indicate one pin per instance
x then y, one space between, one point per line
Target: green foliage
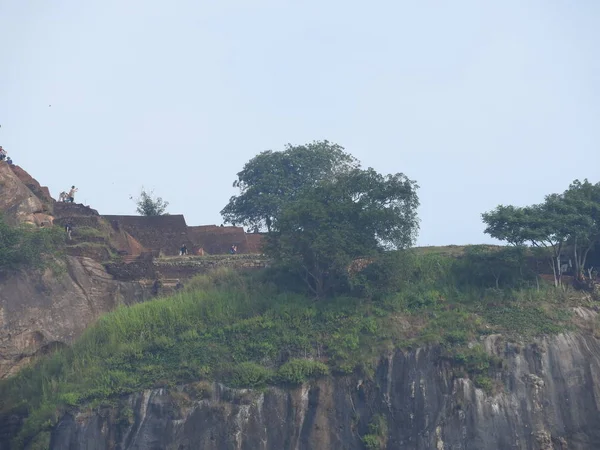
322 211
271 179
356 215
496 267
384 274
238 328
568 219
297 371
378 430
28 246
485 383
249 375
89 232
148 205
371 442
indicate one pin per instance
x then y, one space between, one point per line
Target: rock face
550 400
17 202
39 311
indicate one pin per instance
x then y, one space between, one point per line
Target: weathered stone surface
18 203
39 191
186 267
40 311
550 400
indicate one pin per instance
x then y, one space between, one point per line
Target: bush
249 375
485 383
371 442
386 274
297 371
377 437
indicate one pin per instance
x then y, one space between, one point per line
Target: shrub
371 442
388 273
485 383
376 439
250 375
297 371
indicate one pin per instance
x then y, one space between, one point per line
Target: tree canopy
322 211
272 179
148 205
570 219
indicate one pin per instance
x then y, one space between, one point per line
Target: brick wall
163 234
218 240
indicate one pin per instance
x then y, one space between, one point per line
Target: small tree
147 205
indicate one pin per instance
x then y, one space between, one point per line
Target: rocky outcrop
43 310
41 192
548 398
18 203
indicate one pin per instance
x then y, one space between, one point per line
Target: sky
481 102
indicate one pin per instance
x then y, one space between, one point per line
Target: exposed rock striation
550 400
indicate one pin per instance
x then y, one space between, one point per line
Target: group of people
4 156
68 197
184 251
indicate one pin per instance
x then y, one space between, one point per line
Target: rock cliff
548 398
42 310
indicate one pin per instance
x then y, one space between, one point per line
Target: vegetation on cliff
568 221
27 245
261 329
344 289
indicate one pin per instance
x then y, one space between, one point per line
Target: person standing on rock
72 194
183 250
69 229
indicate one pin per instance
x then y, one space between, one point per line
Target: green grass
246 332
89 232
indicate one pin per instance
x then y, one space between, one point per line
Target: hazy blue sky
482 102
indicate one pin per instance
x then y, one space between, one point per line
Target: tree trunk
554 271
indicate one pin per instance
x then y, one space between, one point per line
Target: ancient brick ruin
130 236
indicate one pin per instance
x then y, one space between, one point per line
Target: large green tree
358 213
272 179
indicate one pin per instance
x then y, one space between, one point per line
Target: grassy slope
242 330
